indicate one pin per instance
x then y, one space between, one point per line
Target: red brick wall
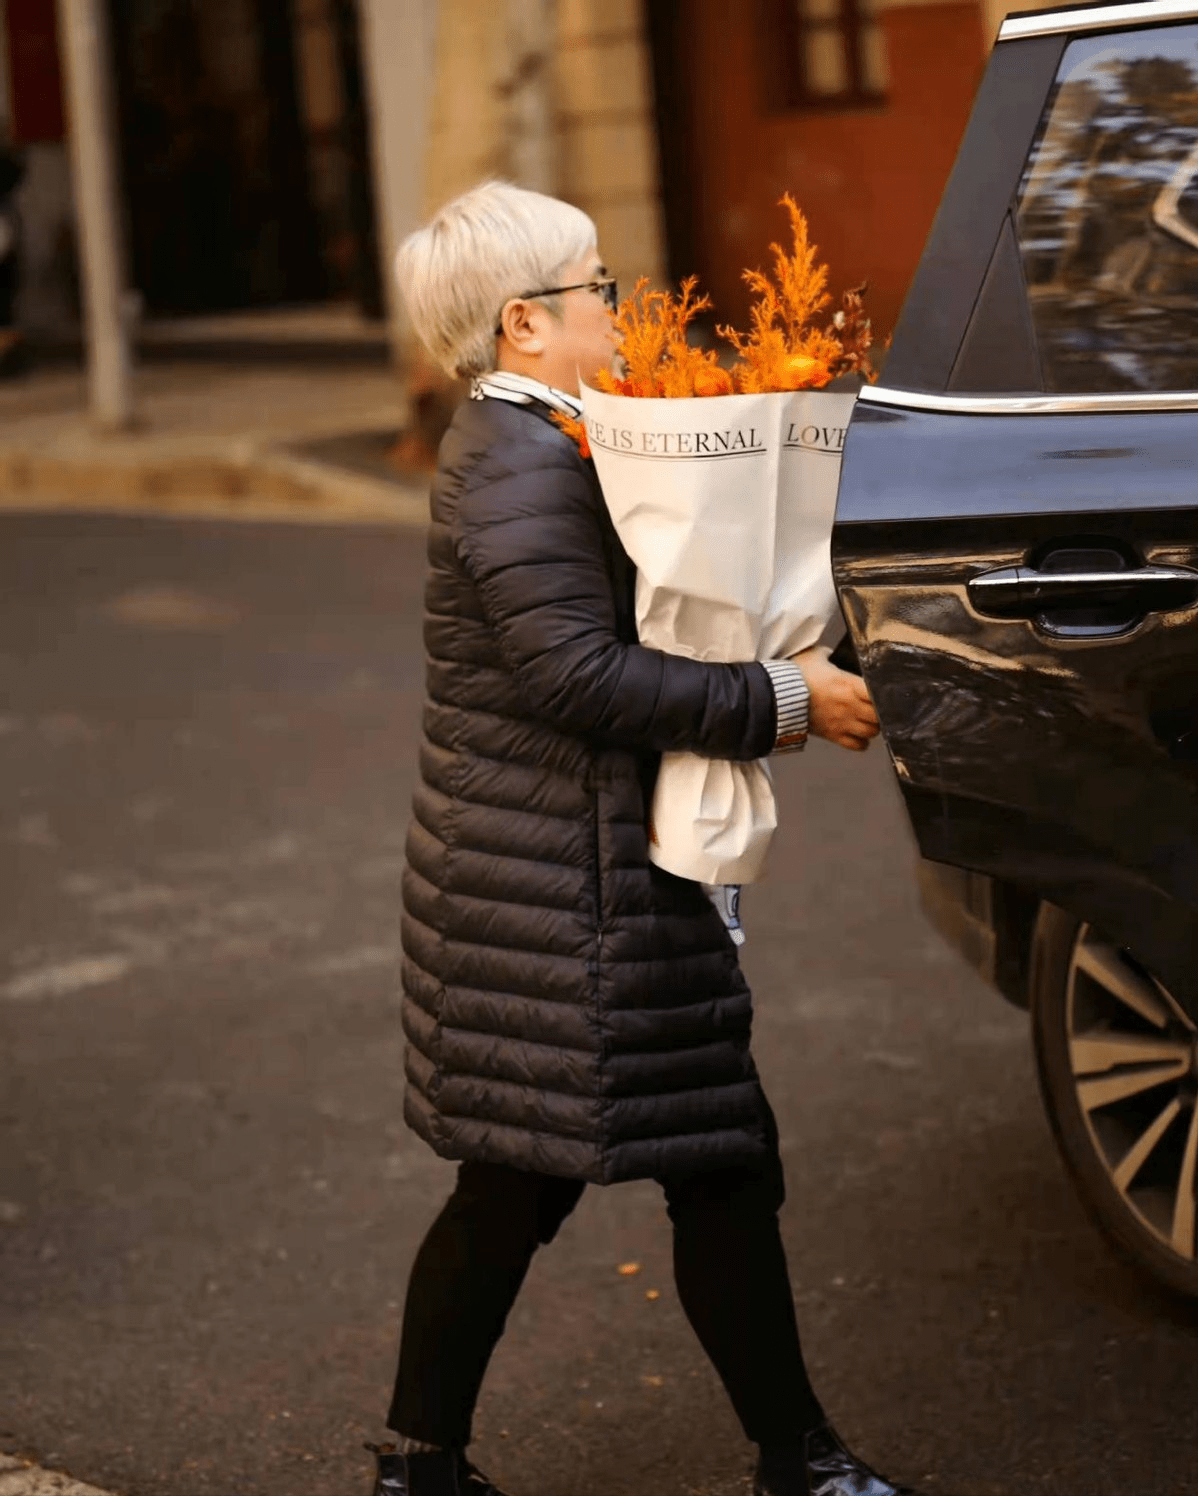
869 180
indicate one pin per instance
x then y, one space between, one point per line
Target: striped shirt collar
521 389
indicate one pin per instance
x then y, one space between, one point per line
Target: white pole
88 65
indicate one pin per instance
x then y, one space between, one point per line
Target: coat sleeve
532 544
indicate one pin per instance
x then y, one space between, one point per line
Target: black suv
1016 551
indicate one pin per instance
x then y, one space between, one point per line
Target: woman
573 1013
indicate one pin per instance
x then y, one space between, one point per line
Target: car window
1107 216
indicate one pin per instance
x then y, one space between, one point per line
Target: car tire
1116 1061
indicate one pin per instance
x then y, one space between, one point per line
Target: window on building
833 53
1108 216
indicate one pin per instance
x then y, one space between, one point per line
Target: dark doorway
216 179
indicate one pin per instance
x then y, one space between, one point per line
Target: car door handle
1023 592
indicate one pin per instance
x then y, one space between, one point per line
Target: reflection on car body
1166 212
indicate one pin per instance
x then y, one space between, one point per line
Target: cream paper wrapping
725 505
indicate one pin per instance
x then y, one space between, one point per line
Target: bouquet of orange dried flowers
784 349
725 505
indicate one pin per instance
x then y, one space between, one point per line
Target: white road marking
164 606
63 978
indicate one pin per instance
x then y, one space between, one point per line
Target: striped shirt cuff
791 698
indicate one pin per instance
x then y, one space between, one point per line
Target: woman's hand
840 709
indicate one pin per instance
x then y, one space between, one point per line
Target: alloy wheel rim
1133 1054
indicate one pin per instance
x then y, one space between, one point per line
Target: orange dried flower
713 381
659 361
799 371
783 350
574 428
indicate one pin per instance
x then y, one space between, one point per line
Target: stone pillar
493 108
491 116
607 136
553 95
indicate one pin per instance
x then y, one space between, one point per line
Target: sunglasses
605 289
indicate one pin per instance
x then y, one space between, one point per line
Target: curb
271 484
21 1478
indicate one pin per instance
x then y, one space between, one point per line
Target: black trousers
729 1268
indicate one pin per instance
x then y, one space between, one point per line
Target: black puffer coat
569 1008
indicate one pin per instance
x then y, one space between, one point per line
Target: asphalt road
208 1200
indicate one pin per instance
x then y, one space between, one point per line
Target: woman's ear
519 327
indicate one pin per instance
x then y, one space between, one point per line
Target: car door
1016 545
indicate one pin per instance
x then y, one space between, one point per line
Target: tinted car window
1107 217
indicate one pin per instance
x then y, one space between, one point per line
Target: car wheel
1117 1063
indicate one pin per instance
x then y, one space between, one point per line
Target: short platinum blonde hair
493 243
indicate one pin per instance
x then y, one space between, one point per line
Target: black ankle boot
831 1470
445 1473
391 1478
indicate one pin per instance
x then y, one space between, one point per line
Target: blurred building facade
273 152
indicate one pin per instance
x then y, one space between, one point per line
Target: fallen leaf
628 1269
651 1294
654 1381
